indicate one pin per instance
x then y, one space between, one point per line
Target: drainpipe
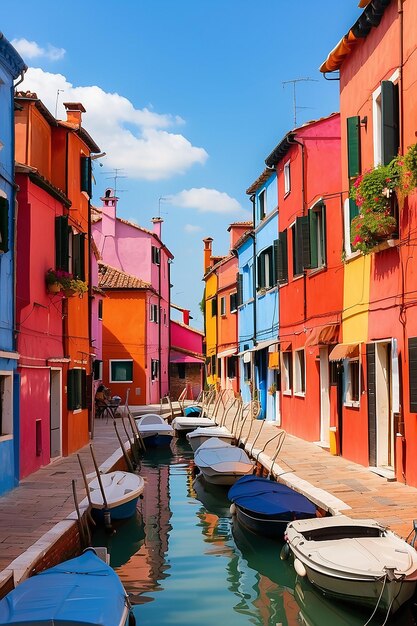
303 195
400 77
253 380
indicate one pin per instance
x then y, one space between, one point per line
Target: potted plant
272 389
60 280
53 281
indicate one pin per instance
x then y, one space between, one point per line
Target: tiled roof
112 278
266 174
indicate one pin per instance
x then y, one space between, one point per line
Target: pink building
140 252
186 357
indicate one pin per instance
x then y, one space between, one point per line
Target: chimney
186 317
157 226
236 230
207 253
108 213
74 112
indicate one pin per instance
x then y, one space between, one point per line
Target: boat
184 425
122 491
221 463
355 560
83 591
266 507
200 435
154 430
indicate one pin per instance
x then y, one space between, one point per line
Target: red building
310 273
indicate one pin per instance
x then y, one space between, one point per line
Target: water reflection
185 562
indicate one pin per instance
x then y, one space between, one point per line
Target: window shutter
75 395
261 271
390 121
354 145
88 391
4 224
412 371
233 302
282 265
214 307
239 289
304 232
61 243
86 178
353 209
78 256
275 262
298 251
313 225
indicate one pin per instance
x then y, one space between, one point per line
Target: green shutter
304 245
390 121
61 243
282 257
261 271
4 224
298 251
275 264
354 145
86 178
313 221
323 235
239 289
74 389
412 371
353 210
78 256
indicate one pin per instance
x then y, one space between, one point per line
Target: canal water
184 562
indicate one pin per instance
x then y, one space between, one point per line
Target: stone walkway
45 498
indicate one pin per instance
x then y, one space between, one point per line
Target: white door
324 396
384 419
55 413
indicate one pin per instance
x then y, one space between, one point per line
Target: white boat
154 430
354 560
200 435
121 493
220 463
183 424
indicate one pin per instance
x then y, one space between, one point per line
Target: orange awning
344 351
273 360
323 335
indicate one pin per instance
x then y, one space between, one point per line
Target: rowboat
154 430
82 591
220 463
356 560
183 424
200 435
116 493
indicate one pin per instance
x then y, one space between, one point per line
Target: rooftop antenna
161 199
56 101
115 176
294 82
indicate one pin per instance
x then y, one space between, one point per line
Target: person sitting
101 400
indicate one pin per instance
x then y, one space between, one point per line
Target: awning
229 352
179 357
322 335
344 351
285 346
273 360
261 345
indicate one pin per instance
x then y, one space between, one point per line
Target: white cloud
31 50
138 141
205 200
192 228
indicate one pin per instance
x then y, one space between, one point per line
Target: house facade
186 361
378 104
11 67
138 252
246 313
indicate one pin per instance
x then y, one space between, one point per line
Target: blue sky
186 97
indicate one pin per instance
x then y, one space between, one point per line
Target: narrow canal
184 562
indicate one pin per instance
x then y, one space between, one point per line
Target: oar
125 454
85 538
86 489
100 482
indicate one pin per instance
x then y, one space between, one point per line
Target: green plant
408 170
367 230
66 281
272 389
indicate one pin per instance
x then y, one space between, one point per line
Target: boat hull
195 442
267 527
223 477
123 511
157 439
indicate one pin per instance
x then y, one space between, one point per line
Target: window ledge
297 277
352 256
75 411
287 393
317 270
352 404
300 394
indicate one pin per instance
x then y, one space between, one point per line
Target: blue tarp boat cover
267 497
81 591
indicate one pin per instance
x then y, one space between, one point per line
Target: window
98 370
154 369
412 370
4 224
233 302
386 121
262 204
6 404
265 269
297 248
317 236
78 256
100 309
156 255
213 307
181 370
223 305
353 382
62 243
354 145
281 257
76 389
231 367
86 176
239 294
154 313
247 371
287 178
299 372
287 372
121 370
213 364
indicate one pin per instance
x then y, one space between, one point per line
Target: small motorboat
84 590
266 507
193 411
122 491
184 425
154 430
200 435
355 560
221 463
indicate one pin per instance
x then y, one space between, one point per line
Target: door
385 426
55 412
324 396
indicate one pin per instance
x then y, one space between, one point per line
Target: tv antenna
58 91
294 83
161 199
115 176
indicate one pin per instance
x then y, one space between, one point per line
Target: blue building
11 67
261 297
246 312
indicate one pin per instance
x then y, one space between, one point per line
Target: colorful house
186 360
139 253
11 67
56 160
210 313
378 104
264 195
309 272
246 313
